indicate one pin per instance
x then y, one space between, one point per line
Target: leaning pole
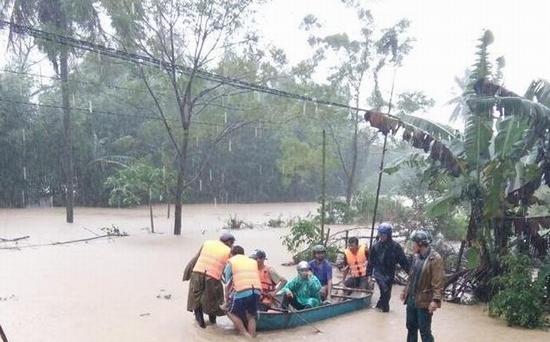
381 170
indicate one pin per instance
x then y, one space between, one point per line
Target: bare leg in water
251 329
239 324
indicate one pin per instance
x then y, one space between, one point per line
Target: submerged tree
362 60
66 18
192 34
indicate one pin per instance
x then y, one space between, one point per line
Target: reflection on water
130 289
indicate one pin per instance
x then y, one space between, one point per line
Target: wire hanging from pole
151 61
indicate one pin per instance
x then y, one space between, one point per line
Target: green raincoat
306 291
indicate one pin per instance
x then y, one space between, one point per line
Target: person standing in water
424 291
243 281
205 287
384 256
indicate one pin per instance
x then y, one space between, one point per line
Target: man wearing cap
205 287
270 279
424 291
385 254
322 269
243 283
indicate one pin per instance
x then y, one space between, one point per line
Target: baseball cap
227 237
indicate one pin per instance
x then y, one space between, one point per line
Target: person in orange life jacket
424 290
385 254
271 280
243 278
229 291
355 258
205 288
322 269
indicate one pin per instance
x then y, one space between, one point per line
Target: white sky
446 33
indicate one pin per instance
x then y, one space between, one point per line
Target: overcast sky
446 33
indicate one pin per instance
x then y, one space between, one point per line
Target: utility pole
323 186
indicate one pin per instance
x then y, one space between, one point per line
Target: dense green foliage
520 299
240 146
304 233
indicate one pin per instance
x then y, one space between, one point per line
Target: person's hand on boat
370 283
271 294
289 294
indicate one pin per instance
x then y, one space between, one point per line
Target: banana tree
500 160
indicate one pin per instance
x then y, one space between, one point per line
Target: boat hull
286 320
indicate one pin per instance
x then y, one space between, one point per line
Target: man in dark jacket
385 254
424 291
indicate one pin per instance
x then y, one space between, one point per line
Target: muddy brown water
130 289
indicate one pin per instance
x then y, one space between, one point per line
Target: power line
101 85
110 86
146 60
273 126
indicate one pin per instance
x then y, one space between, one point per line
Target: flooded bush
303 234
235 223
276 223
521 299
114 231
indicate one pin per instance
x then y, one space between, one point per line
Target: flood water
130 289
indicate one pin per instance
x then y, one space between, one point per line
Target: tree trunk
180 184
67 126
178 199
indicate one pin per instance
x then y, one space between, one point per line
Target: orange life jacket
357 262
212 260
245 273
267 285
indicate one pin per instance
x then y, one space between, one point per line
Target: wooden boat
284 319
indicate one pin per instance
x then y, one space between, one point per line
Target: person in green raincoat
304 291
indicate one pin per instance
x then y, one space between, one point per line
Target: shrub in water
520 299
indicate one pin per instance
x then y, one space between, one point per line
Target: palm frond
477 138
484 87
413 160
437 130
418 138
539 90
509 141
